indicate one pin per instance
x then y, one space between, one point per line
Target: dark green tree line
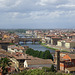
40 54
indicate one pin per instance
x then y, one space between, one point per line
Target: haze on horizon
37 14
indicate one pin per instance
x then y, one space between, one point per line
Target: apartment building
67 43
67 63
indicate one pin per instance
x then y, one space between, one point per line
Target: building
29 32
13 48
72 36
43 40
4 44
38 63
48 38
68 43
70 70
54 40
26 61
67 62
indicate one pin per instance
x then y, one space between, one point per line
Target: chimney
57 59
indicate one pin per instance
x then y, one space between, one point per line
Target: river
37 46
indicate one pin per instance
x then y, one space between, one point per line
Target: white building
38 63
13 48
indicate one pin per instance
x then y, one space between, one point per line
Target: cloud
45 2
66 6
37 12
9 3
51 2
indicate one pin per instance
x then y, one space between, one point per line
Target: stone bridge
33 40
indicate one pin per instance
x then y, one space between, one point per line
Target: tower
57 59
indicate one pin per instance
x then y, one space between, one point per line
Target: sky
37 14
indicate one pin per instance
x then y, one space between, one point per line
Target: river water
36 46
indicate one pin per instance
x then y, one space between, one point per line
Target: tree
52 68
39 72
48 55
4 63
40 54
35 72
46 69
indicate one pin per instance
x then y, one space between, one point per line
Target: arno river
36 46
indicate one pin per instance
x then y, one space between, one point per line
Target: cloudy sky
37 14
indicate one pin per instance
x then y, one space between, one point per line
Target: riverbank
47 46
52 47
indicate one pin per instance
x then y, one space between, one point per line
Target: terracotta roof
4 41
57 50
19 57
50 35
62 59
56 38
39 61
71 69
72 34
2 55
16 47
68 40
72 56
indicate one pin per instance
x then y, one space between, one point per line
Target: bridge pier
33 40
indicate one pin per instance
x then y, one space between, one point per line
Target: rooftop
71 69
39 61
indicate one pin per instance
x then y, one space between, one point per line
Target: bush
51 73
46 69
0 38
52 68
59 73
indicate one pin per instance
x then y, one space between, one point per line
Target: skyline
40 14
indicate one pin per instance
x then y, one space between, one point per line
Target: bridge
33 40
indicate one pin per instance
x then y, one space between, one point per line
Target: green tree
35 72
0 38
46 69
40 54
52 68
47 55
59 73
4 63
40 72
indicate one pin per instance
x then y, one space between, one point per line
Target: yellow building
6 36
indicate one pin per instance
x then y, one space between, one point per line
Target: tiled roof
71 69
39 61
50 35
72 56
73 34
56 37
